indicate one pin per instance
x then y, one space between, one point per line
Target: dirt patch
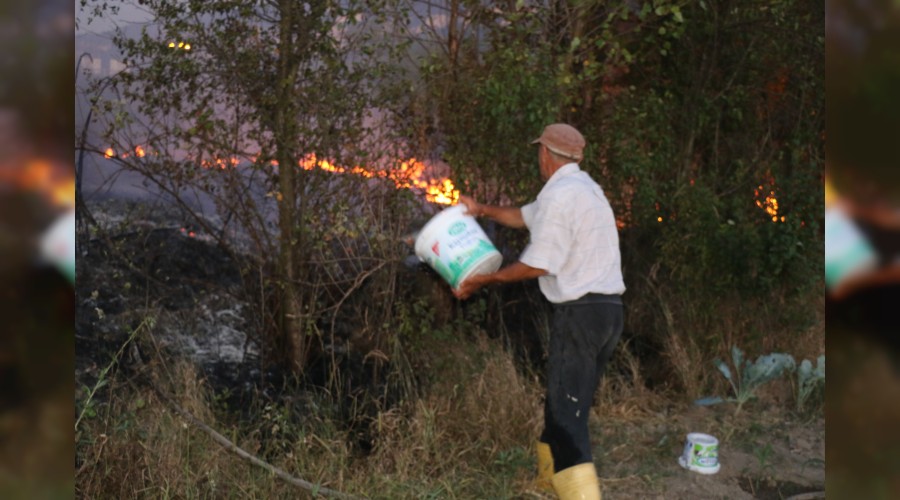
773 490
763 453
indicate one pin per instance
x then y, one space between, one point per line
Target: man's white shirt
573 237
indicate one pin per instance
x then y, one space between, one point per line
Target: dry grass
468 438
140 448
623 393
463 425
468 433
689 364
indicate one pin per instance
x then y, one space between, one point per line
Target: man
574 254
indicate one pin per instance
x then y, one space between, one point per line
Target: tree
215 85
704 121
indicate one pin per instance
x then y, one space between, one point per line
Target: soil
766 451
763 454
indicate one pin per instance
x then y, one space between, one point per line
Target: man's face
542 162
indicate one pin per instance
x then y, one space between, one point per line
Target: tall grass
468 436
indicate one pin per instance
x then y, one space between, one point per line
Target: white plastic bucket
57 245
456 247
701 453
847 252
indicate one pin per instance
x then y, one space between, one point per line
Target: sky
128 13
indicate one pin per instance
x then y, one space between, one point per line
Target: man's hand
508 216
468 287
473 208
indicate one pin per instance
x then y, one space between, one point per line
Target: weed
87 407
751 376
763 456
809 380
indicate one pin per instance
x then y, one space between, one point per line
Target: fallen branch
808 496
314 489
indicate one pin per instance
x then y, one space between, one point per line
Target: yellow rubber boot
544 468
578 482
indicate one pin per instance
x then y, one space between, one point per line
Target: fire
407 174
57 185
63 193
769 203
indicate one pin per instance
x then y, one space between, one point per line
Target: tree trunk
290 314
453 36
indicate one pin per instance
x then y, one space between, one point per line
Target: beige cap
563 140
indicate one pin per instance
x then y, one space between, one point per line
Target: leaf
644 11
805 372
767 368
737 357
723 368
575 43
709 401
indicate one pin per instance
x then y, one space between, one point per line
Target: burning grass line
314 489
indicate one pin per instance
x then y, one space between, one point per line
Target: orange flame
769 203
56 185
408 174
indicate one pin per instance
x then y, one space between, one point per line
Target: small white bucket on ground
701 453
456 247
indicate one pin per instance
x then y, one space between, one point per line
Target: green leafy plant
809 379
749 376
764 458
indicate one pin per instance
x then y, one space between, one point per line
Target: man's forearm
516 271
508 216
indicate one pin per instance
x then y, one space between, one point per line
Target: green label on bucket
457 228
465 260
705 456
453 269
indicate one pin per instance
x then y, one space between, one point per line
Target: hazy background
862 153
36 302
